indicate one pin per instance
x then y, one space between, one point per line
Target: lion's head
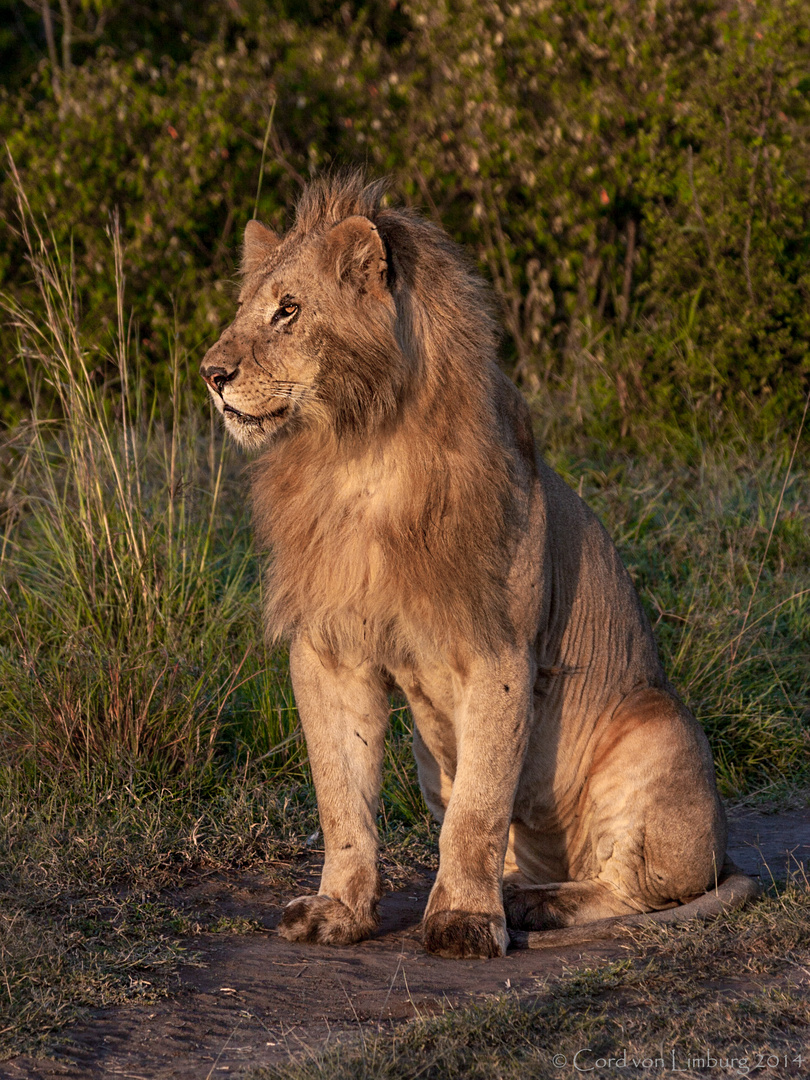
316 339
362 359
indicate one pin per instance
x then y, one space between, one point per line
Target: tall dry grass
125 565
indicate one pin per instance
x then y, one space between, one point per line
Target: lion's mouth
255 421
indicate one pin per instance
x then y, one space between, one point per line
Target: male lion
419 540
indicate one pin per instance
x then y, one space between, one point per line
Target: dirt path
257 997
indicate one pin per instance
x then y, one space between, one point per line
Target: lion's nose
217 378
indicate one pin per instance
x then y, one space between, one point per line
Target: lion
419 541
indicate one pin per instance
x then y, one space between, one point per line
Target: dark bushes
635 180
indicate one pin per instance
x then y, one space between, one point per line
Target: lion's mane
425 397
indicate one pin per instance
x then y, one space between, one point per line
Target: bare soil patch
251 999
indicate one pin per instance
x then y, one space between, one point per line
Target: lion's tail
733 890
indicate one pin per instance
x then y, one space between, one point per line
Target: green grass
91 904
721 559
146 733
127 583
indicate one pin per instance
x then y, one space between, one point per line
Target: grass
94 904
117 634
732 989
89 910
694 537
146 734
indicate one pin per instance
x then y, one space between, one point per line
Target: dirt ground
252 999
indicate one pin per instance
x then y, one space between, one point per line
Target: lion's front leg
465 914
344 714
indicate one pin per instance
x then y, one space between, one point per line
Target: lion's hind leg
647 832
562 903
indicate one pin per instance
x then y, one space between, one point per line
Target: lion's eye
286 311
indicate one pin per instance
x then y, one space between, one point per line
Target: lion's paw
324 921
458 934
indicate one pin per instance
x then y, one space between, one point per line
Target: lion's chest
367 499
364 516
335 556
364 558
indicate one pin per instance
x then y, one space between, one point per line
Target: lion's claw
324 921
459 934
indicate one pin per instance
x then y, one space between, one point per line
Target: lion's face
292 355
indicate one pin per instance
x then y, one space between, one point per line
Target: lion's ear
259 242
356 253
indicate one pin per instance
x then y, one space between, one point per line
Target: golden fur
418 539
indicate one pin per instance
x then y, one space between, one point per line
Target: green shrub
175 150
633 179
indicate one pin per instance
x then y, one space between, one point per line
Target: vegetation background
633 179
